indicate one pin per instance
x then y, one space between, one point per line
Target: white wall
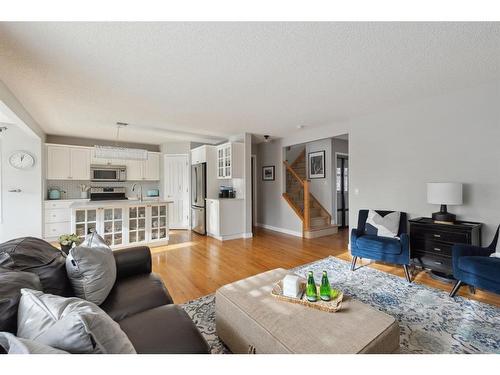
21 212
393 153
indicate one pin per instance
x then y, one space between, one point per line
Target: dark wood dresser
430 243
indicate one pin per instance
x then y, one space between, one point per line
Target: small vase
83 195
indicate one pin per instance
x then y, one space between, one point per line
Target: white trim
281 230
335 202
231 236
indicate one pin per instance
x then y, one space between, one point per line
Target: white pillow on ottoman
91 268
69 324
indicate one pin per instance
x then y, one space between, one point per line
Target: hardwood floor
193 266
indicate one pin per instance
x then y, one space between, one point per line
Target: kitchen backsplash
72 188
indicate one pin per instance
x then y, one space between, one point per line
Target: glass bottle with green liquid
325 290
311 291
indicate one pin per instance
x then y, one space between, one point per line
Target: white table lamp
444 193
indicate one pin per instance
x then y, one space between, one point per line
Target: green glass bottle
325 290
311 291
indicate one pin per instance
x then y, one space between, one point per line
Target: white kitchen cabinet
230 160
57 219
58 163
158 229
135 170
152 167
199 155
73 163
112 225
80 163
149 170
137 224
225 218
85 221
122 224
68 163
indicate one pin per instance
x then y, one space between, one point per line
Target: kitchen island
122 223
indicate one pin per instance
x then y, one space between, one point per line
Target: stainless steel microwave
108 172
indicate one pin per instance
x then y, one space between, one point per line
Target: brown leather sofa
139 301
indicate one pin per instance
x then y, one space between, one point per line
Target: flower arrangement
67 240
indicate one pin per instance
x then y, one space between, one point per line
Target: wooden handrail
293 173
294 207
307 215
322 208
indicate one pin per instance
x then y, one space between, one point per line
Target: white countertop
117 203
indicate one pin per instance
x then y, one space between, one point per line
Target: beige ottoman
249 319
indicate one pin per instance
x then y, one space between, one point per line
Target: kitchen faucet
138 196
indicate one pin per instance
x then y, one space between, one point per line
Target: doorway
342 189
176 187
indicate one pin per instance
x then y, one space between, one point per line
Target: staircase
315 218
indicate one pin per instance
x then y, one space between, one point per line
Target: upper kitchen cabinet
230 160
144 169
152 167
68 163
199 155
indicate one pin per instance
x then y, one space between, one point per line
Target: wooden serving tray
331 306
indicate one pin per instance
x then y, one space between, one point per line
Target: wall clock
21 160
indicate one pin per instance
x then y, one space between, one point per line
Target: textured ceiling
221 79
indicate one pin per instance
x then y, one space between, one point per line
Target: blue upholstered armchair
385 249
472 265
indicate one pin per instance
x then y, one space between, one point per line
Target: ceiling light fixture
118 152
267 138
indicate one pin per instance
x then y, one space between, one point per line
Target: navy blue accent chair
472 265
384 249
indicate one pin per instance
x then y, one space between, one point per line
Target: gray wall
272 210
393 153
448 138
322 188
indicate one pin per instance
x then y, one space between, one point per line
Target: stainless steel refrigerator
198 195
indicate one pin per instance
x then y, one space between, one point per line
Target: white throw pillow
70 324
17 345
384 226
91 268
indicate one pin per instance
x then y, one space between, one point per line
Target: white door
58 163
176 187
80 164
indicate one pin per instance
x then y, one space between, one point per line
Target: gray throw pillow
384 226
91 268
17 345
70 324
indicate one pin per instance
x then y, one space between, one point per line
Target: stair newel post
307 216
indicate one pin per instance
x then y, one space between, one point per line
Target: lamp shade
444 193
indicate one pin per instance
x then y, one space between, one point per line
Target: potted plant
67 240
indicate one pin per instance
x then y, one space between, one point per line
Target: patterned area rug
430 321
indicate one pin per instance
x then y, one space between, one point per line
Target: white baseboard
231 236
281 230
